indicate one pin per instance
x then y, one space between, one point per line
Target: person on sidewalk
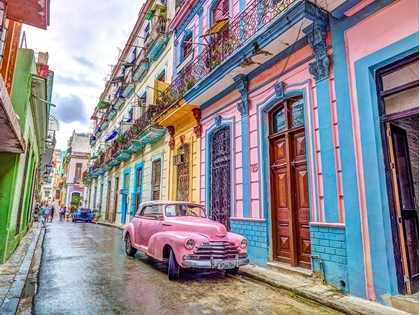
47 213
36 211
67 214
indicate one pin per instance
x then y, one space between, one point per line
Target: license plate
227 265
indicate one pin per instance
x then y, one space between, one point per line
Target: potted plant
120 138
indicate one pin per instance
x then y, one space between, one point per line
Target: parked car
182 233
82 214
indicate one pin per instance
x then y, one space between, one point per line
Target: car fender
130 230
236 239
176 240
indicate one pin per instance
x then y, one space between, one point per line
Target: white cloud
82 42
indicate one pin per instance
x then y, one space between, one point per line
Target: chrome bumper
215 263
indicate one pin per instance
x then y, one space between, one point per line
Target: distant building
74 164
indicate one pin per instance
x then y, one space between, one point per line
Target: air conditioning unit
178 159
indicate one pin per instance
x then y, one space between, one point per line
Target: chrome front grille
216 250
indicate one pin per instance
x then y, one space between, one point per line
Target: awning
217 27
111 136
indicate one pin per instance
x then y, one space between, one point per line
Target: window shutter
221 11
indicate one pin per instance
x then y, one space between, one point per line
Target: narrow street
84 270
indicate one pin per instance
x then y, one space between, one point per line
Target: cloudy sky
82 42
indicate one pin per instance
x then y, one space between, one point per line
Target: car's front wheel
129 249
173 267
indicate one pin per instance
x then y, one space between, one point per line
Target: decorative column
171 131
198 129
320 68
241 81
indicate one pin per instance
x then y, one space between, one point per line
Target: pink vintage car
182 232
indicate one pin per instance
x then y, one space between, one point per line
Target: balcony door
398 89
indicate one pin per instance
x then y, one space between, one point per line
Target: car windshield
180 210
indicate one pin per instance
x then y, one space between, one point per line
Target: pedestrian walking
67 214
62 213
47 213
52 212
41 214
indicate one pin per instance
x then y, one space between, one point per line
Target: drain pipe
321 267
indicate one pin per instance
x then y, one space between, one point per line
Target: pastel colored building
309 132
74 164
130 151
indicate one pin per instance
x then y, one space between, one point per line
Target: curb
12 300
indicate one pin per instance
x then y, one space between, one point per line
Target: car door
151 221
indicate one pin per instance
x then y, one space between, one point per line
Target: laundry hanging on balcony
111 136
103 104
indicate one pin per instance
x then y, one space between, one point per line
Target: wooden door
289 185
405 205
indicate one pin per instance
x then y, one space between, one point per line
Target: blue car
82 214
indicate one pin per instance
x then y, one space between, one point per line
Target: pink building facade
309 120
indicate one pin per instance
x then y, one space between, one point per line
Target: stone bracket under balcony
152 134
175 113
119 103
113 162
141 69
134 146
128 90
112 113
158 47
122 155
268 42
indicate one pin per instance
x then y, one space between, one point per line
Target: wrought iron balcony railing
132 133
245 26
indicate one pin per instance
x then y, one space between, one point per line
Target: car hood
201 226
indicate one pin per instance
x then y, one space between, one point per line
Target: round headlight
244 243
189 244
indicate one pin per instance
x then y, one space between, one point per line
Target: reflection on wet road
84 270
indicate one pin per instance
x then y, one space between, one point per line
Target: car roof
171 202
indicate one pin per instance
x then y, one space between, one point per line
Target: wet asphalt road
84 270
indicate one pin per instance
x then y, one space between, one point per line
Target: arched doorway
289 184
220 175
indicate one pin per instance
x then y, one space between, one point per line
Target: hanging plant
120 138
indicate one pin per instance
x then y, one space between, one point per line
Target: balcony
141 66
149 131
260 32
157 40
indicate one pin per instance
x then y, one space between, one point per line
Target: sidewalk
18 276
15 273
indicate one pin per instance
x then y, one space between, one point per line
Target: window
162 77
221 11
187 47
146 33
156 165
57 194
134 54
78 172
151 211
126 180
290 115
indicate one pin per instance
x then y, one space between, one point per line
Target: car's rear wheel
173 267
233 271
129 249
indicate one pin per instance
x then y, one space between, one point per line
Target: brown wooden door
289 189
405 205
